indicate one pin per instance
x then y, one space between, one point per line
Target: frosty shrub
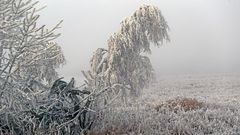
125 62
62 110
28 61
28 54
186 104
27 51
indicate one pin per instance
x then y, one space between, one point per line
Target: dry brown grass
186 104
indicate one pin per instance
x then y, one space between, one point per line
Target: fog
204 33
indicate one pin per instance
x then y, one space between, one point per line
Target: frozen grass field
219 113
220 89
107 45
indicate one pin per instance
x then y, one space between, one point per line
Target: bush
63 110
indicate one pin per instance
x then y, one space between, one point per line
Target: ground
221 89
216 108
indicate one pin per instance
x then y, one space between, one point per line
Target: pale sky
205 34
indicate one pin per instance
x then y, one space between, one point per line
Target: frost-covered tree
28 56
95 79
41 62
27 52
125 62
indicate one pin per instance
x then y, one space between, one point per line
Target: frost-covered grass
219 114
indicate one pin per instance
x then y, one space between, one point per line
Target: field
179 105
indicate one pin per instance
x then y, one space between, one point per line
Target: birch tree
125 61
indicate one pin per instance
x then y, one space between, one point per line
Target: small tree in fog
124 61
28 53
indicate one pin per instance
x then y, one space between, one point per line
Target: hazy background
205 34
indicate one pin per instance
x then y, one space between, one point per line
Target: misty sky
205 34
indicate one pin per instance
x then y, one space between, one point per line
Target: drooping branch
124 62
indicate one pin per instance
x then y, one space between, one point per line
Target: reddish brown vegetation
186 104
